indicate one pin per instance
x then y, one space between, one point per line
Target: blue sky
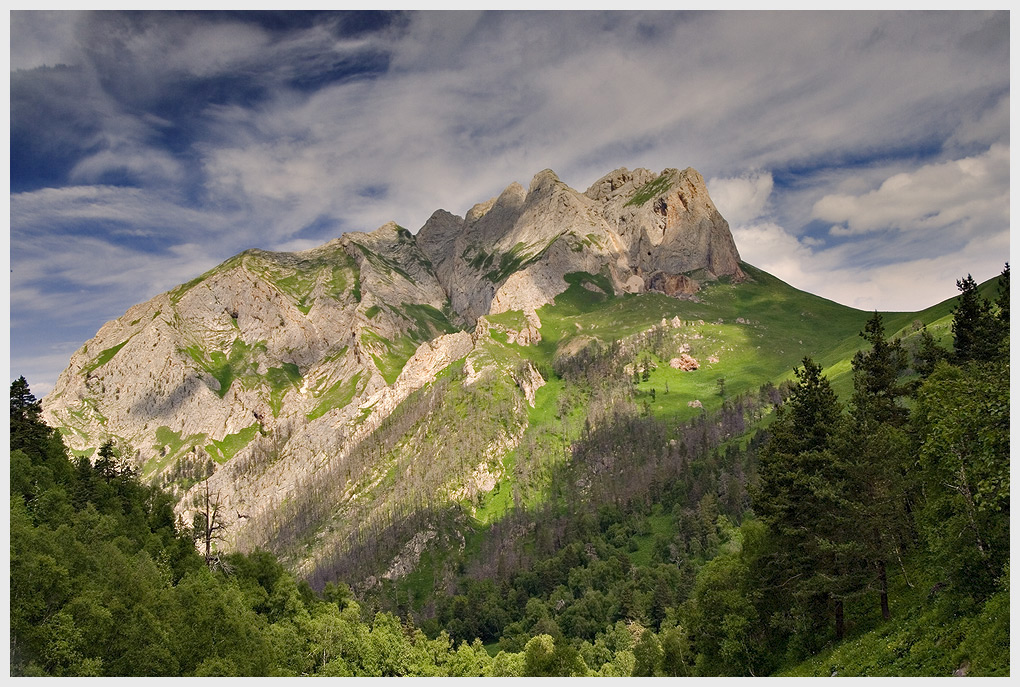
861 156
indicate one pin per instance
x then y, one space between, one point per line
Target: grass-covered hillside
824 492
654 541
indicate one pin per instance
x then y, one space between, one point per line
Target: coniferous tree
928 354
875 450
977 334
1002 314
802 498
28 431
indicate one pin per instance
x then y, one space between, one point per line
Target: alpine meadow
530 343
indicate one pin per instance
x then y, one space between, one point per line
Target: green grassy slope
778 326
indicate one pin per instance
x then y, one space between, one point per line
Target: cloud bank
863 156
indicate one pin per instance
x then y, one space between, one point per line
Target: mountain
547 438
324 395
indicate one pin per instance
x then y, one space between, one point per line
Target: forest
791 533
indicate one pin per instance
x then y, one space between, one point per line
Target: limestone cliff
265 377
643 231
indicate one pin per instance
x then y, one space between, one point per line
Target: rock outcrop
685 362
641 230
272 367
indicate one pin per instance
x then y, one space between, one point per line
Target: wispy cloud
970 195
901 246
161 143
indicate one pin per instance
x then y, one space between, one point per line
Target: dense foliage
867 537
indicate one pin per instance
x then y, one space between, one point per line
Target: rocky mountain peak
299 356
544 179
619 182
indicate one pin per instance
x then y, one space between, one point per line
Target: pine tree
976 335
875 450
802 498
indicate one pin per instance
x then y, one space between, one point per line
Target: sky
862 156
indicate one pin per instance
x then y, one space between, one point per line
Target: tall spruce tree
875 451
976 335
802 498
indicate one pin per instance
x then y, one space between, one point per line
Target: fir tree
875 451
802 498
976 335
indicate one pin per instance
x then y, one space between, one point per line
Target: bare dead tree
207 521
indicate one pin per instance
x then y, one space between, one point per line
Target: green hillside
630 519
764 348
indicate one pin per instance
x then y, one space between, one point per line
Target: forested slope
863 533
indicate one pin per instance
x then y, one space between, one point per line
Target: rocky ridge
266 370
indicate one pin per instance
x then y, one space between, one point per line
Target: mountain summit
272 370
642 231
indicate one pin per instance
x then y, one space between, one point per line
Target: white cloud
208 49
830 117
133 211
984 129
472 103
908 285
972 192
742 199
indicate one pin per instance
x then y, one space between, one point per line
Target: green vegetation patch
226 367
499 266
280 381
81 453
297 280
336 355
226 448
429 322
599 281
389 356
104 357
577 297
511 319
654 188
517 258
336 396
383 264
169 444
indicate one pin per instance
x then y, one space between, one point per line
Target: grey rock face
640 229
263 370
